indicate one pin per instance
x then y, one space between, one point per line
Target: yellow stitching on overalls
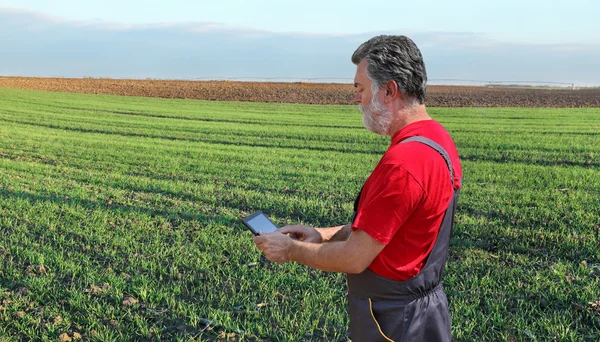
374 320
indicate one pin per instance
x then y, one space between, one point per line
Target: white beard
376 117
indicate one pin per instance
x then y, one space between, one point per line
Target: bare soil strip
309 93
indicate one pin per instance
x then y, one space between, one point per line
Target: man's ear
391 91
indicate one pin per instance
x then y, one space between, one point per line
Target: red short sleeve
392 195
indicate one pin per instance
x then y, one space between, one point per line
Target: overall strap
436 147
422 140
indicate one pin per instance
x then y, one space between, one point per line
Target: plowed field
313 93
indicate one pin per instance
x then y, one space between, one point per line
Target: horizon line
292 79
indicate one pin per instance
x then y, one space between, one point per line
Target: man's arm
353 255
340 233
316 235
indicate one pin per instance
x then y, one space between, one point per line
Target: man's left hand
275 246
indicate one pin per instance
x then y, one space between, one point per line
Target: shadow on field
522 131
88 204
199 138
508 158
200 119
524 238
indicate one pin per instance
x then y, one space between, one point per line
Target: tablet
259 222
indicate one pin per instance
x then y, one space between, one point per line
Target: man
394 250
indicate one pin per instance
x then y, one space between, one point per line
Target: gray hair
394 58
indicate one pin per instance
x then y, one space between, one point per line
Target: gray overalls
416 309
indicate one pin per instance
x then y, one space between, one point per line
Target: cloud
18 15
35 44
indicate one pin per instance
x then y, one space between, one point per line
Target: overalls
416 309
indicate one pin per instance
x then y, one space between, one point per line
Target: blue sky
530 21
526 39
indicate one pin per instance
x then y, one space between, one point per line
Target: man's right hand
302 233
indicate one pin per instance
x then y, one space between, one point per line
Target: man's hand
275 246
302 233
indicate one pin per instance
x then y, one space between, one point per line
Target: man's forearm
330 257
340 233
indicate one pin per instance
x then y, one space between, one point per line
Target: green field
120 218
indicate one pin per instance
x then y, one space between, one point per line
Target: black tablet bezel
253 215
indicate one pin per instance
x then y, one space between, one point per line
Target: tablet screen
261 223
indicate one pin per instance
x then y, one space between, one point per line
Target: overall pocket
372 320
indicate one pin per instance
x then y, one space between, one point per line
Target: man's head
388 68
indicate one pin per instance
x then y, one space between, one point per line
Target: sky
525 40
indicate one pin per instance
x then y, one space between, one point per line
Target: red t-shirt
404 200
